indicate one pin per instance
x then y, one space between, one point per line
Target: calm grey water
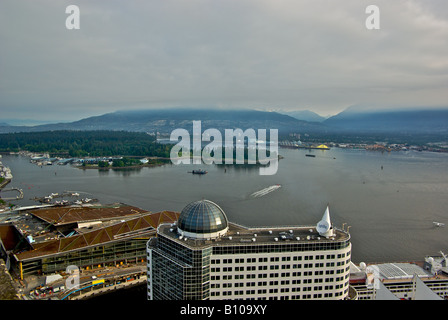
390 210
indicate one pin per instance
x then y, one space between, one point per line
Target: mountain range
166 120
351 120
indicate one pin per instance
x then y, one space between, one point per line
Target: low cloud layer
263 54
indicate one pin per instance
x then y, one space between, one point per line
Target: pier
19 197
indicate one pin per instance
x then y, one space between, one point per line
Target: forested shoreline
85 143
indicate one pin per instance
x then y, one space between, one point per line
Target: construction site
106 244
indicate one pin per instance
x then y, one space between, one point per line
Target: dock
18 197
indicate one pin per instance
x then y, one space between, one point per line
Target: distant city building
203 256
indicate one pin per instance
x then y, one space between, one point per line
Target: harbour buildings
199 254
203 256
48 240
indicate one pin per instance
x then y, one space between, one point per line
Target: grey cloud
267 54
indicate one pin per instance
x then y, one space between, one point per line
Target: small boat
310 155
199 171
265 191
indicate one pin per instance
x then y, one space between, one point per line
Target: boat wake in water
265 191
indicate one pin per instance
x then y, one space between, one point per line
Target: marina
58 199
5 175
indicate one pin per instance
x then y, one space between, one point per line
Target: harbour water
390 200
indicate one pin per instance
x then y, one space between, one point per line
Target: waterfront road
86 277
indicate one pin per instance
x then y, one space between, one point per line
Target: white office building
205 257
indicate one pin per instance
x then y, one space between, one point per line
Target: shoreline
90 167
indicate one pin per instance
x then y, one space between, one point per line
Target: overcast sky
260 54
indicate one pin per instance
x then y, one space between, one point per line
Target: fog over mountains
416 120
352 120
305 115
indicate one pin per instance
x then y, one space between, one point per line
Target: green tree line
85 143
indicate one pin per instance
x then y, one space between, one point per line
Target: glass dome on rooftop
202 219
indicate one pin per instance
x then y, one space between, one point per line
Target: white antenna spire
324 226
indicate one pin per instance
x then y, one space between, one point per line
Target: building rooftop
394 271
64 215
141 226
202 219
238 235
203 222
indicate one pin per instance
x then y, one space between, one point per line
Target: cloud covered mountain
418 120
166 120
352 120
